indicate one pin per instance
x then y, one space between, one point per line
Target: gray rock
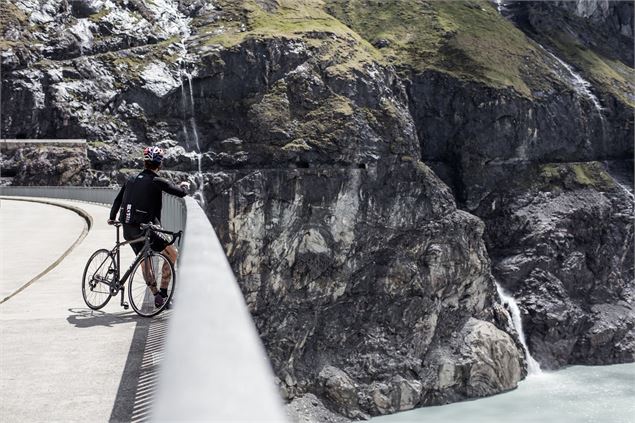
480 361
310 409
341 390
371 289
572 271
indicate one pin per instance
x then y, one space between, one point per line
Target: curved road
59 360
23 225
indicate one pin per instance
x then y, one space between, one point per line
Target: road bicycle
149 271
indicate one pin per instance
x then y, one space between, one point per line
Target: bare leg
148 274
172 254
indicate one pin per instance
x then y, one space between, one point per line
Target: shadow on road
140 377
87 318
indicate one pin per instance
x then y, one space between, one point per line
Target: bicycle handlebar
175 235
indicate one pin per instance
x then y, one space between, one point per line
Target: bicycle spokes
99 277
152 275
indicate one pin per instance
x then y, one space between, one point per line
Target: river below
577 394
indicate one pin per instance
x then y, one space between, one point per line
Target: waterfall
622 179
192 135
184 110
580 85
583 88
82 30
533 367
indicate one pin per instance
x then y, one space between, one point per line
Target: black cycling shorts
158 241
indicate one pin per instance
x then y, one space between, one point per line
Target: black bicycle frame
121 282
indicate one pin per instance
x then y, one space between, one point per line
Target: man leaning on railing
140 201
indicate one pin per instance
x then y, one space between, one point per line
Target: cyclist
140 201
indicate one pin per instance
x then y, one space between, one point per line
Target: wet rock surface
361 278
367 202
573 268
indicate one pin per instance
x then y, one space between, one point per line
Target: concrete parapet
215 367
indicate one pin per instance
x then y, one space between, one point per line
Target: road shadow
87 318
135 394
137 387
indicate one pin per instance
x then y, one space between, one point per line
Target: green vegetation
467 39
293 18
559 176
612 75
11 16
96 17
273 108
132 64
326 128
590 48
304 20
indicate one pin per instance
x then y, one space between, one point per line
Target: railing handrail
173 214
225 375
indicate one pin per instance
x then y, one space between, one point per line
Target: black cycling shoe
159 299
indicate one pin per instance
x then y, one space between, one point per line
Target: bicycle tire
140 295
96 290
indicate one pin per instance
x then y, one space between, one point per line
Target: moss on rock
467 39
566 176
304 20
610 74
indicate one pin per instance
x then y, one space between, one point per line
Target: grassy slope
587 48
467 39
612 75
11 17
470 40
291 19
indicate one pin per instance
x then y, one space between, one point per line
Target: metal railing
173 214
215 367
92 195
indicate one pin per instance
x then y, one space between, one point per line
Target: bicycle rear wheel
99 273
149 275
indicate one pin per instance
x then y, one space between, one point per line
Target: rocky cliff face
524 156
372 169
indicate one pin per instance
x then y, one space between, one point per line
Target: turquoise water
578 394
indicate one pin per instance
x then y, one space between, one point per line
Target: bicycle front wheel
149 276
99 273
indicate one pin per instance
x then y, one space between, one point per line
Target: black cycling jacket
140 199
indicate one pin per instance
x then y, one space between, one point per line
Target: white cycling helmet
153 154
